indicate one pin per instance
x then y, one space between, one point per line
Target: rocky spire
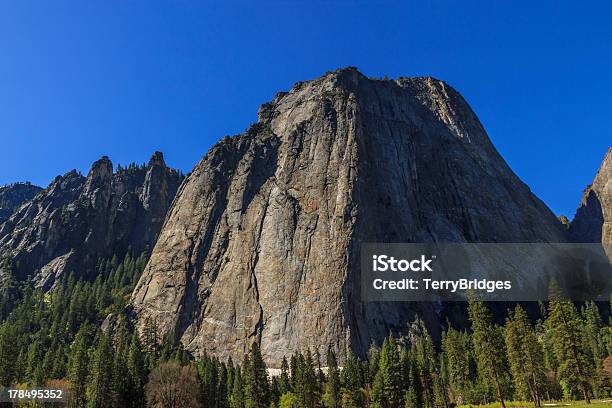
77 220
99 183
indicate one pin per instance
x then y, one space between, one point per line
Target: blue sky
79 80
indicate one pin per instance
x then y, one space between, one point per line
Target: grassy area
606 403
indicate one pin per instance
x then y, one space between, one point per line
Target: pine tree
331 396
597 348
352 382
284 382
387 389
207 372
525 356
255 377
305 387
565 330
136 366
99 386
222 385
427 364
413 396
488 348
34 372
121 384
237 397
78 367
8 353
457 348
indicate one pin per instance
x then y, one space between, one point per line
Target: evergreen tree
488 348
387 390
597 348
351 381
305 387
121 382
331 397
255 377
8 351
136 366
575 367
79 367
35 374
284 382
237 398
427 364
413 396
456 345
99 386
222 385
207 373
525 356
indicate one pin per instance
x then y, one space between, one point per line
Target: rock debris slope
76 220
262 241
593 219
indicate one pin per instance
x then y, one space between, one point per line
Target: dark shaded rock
12 196
262 241
77 220
593 219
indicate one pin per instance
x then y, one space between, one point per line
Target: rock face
77 219
262 241
593 219
12 196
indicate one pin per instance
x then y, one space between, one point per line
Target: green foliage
566 331
489 351
255 377
526 357
332 396
288 400
352 383
460 364
387 389
101 372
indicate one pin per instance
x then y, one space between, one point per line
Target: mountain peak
262 241
157 159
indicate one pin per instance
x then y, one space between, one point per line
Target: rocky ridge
76 220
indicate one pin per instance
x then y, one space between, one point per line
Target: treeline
57 339
560 357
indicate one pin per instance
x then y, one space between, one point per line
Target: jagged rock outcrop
593 219
12 196
262 241
77 220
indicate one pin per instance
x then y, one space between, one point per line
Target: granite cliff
76 220
262 241
593 219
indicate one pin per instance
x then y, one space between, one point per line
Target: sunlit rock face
262 241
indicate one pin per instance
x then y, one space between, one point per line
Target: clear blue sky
83 79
